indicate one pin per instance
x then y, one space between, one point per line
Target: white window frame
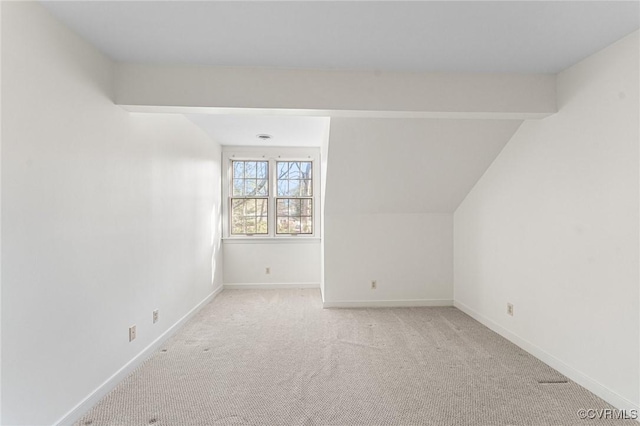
273 155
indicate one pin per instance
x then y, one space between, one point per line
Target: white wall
552 227
409 255
324 159
106 215
291 263
392 186
1 32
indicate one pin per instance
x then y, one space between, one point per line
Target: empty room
320 213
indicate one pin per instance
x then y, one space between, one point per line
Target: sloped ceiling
388 166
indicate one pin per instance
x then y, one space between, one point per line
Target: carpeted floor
275 357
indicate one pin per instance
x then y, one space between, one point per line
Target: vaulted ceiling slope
476 36
393 166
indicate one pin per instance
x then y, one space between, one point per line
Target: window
250 198
271 197
294 204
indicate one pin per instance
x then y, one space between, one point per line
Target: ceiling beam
334 93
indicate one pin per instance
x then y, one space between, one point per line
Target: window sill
271 240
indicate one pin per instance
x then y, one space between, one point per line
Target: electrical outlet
509 309
132 333
374 284
267 270
155 316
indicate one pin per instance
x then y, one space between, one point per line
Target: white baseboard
580 378
268 286
386 303
86 404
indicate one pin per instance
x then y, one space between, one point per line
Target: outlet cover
509 309
155 316
132 333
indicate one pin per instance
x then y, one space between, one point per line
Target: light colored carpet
275 357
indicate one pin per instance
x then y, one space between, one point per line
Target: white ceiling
433 162
478 36
241 130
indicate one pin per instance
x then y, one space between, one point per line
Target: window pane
294 170
237 207
250 207
294 207
294 188
294 225
250 169
283 226
306 169
250 187
249 216
306 225
238 187
262 171
238 169
262 225
306 208
262 206
283 170
237 227
295 178
237 217
283 187
306 188
294 216
251 225
250 178
262 188
282 207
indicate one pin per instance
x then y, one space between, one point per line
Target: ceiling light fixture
264 137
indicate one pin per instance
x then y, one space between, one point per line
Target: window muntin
250 197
